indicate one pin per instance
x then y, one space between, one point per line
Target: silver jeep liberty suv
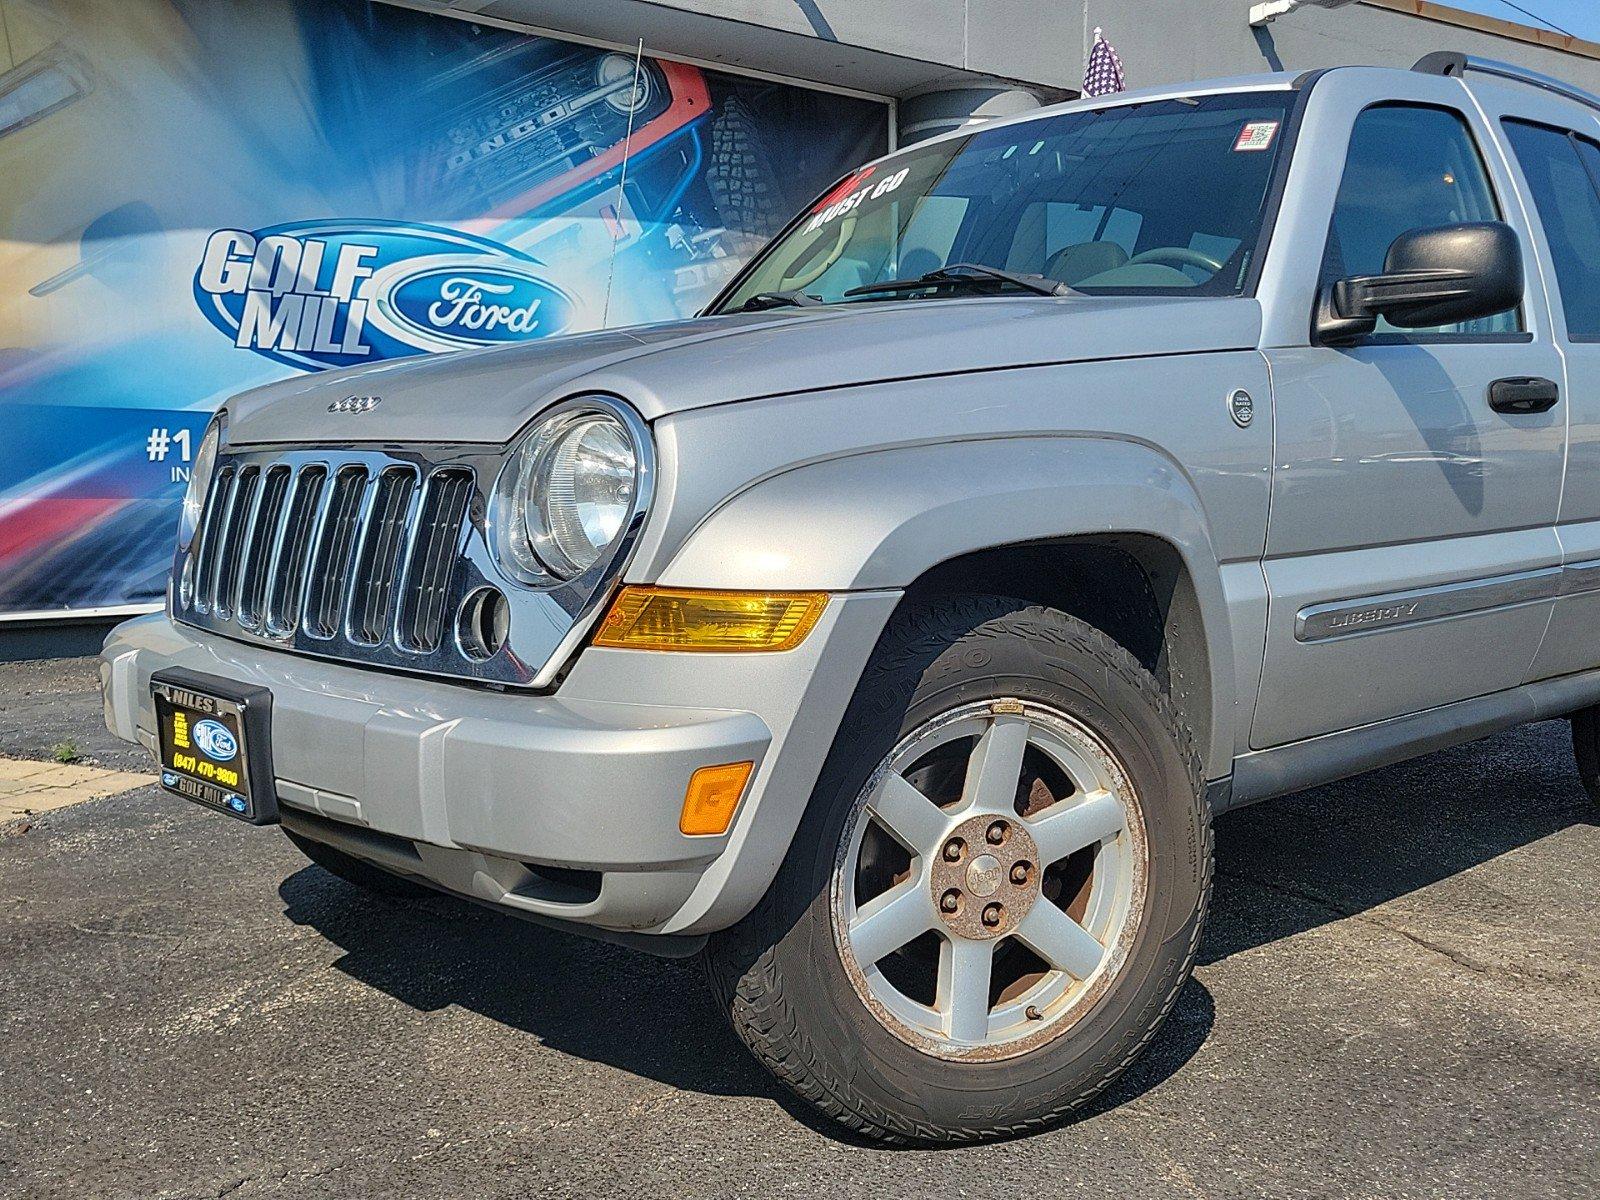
890 634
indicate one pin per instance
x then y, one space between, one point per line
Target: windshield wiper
765 300
971 274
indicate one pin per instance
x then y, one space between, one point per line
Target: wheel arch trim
882 519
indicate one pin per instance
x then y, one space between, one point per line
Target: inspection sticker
1256 135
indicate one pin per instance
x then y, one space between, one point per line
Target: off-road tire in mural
742 176
354 871
779 978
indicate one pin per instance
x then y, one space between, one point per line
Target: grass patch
66 752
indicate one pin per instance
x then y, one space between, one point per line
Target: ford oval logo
341 293
215 742
486 306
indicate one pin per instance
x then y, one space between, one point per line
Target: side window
1409 167
1569 208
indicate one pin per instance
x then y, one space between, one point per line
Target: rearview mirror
1431 277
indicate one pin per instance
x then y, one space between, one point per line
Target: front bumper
562 806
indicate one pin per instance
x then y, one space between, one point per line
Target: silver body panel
1379 561
682 365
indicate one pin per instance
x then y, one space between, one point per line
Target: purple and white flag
1102 75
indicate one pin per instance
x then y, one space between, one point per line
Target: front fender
878 520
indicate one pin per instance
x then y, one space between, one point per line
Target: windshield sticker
1256 136
832 209
845 186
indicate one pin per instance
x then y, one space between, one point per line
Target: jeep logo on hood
325 294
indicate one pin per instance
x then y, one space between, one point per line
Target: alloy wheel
990 880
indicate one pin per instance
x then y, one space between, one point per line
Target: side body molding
878 520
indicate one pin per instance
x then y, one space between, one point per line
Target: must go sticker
854 197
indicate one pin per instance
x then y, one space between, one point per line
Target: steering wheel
809 275
1180 256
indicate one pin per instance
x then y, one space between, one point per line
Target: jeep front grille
361 555
377 557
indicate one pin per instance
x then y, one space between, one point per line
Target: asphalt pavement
1398 995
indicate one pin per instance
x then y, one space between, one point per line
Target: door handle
1523 394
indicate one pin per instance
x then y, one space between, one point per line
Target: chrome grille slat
261 547
203 561
378 563
425 590
230 553
287 588
330 573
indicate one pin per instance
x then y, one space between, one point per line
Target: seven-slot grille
359 552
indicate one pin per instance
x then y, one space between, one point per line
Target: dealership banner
201 196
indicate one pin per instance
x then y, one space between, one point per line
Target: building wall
1171 41
905 47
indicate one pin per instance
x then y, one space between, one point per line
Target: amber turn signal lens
713 794
645 618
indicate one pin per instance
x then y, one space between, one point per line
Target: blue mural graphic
206 196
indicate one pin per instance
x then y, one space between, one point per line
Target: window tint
1408 168
1569 208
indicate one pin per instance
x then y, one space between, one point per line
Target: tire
353 871
794 993
1586 749
741 175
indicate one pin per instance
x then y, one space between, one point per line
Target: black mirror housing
1437 276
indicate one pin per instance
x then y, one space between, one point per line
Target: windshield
1164 197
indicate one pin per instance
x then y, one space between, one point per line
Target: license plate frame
193 756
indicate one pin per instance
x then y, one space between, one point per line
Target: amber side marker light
713 794
646 618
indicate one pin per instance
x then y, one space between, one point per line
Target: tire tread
754 999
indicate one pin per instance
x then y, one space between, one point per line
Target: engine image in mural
205 196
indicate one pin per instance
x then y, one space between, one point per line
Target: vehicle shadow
653 1017
1283 867
1301 861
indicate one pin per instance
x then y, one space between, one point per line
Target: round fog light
483 624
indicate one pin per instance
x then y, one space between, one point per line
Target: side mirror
1431 277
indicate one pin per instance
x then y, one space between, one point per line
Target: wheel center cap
983 875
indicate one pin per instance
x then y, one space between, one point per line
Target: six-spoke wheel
991 880
997 889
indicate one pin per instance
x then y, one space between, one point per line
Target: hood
488 395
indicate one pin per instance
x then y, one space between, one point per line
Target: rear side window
1409 167
1563 172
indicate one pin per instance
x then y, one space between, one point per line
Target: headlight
568 493
200 472
612 70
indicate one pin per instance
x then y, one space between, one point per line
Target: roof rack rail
1455 64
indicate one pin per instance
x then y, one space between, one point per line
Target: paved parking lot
1399 995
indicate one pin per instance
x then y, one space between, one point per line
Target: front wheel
998 889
